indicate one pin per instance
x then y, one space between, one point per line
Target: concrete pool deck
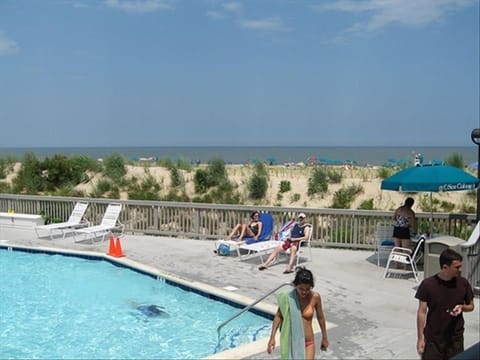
369 317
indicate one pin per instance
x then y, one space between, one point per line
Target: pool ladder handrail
248 307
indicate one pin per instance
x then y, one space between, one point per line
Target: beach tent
430 178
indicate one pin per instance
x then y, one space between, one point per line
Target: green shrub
343 198
5 188
200 181
6 166
166 163
29 179
214 175
455 160
59 173
447 206
183 164
114 193
468 208
3 167
257 187
69 190
260 169
295 197
335 177
216 171
225 193
367 204
285 185
426 205
82 163
383 173
317 183
176 177
147 190
115 167
176 196
103 186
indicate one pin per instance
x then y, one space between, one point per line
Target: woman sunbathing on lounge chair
252 229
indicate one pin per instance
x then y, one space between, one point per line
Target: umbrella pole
431 215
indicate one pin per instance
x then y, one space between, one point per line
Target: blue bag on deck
224 250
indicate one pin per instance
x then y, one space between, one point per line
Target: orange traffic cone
111 246
118 248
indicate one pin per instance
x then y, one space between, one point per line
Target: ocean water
367 155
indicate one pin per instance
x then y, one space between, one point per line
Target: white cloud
7 46
79 5
140 6
215 14
235 10
232 6
272 24
411 13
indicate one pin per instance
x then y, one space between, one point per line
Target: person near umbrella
404 218
442 298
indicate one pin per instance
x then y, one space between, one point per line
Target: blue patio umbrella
430 178
434 178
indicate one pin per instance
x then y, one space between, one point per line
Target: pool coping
214 293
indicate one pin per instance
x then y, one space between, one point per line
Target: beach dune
367 179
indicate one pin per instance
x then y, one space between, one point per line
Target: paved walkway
369 317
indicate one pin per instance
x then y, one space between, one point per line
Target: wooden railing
352 229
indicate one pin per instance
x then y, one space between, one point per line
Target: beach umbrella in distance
271 160
430 178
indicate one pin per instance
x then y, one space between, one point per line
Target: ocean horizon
361 155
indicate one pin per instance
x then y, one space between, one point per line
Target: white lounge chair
263 248
233 245
107 226
75 221
259 249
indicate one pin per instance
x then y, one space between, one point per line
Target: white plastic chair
405 256
303 245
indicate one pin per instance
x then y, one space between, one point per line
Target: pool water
54 306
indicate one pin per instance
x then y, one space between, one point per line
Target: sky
240 72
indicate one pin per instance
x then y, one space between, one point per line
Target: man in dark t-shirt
442 300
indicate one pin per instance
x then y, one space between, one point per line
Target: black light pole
476 140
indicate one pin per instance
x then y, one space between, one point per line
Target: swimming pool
54 306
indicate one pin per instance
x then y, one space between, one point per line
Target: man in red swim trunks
301 231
